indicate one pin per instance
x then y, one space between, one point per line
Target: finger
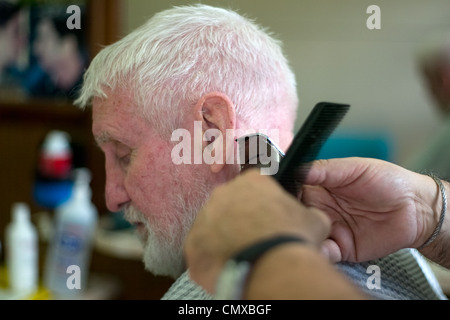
331 250
335 172
318 172
321 227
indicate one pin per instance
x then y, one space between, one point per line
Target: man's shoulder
186 289
403 275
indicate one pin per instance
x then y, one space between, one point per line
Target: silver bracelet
443 210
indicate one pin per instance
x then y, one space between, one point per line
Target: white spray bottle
22 251
68 259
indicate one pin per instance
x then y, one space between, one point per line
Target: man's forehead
117 119
107 115
114 102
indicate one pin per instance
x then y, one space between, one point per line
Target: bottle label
72 240
55 167
71 243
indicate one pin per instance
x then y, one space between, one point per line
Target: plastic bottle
68 258
55 160
22 251
53 182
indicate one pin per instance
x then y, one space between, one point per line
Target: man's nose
116 195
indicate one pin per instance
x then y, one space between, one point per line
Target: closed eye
123 154
124 161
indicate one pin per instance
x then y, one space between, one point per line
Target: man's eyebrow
102 138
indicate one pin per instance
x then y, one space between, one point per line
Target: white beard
163 246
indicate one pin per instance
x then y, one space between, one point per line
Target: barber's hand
241 212
375 207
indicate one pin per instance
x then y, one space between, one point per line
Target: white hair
185 52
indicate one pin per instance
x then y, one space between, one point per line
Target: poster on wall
43 49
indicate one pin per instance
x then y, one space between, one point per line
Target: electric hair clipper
290 169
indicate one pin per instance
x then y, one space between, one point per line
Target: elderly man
204 70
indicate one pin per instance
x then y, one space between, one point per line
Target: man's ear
217 115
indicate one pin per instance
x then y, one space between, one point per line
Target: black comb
308 141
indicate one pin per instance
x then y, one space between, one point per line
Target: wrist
272 273
297 272
435 220
437 250
427 208
233 280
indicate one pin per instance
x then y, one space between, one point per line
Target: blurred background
335 57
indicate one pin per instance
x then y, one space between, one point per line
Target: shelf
41 109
